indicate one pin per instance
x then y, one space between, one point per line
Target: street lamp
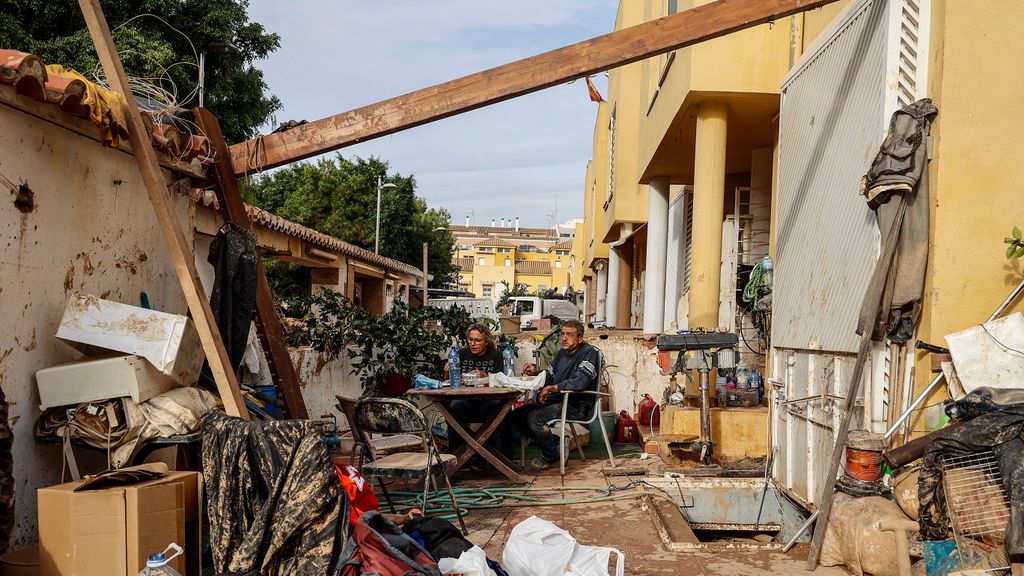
376 230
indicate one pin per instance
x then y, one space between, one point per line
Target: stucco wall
91 230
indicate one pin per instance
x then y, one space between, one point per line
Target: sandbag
854 540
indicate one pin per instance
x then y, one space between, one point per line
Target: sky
525 157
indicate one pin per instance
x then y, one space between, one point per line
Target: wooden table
476 443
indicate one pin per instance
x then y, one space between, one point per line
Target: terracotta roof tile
28 74
566 245
495 242
533 268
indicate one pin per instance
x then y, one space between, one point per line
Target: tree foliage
150 48
338 197
509 292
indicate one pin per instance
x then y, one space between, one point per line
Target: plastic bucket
24 562
609 426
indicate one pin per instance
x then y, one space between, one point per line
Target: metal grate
978 506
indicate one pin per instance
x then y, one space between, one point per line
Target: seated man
480 359
575 369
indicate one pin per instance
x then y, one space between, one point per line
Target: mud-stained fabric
996 426
274 499
233 298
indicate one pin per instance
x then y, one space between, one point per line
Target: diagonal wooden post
177 244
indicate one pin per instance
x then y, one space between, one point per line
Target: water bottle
742 375
506 359
454 367
753 383
766 265
159 564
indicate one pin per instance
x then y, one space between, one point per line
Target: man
575 369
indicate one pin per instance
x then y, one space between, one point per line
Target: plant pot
394 384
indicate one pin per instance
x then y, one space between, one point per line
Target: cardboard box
170 341
113 530
100 378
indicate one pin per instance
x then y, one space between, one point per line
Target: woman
481 358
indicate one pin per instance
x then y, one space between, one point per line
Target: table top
464 392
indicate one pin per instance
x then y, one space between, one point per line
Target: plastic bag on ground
472 562
537 547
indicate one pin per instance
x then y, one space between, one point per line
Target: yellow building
708 158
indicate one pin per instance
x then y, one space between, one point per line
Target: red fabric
373 554
625 429
360 494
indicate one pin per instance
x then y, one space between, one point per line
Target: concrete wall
91 230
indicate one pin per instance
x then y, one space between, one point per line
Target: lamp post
376 230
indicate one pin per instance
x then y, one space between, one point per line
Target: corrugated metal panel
831 124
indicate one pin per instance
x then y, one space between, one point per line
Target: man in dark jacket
575 369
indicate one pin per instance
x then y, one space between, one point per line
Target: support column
708 214
601 277
657 252
625 285
611 296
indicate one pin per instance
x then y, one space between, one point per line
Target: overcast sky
523 157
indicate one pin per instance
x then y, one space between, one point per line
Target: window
488 290
561 252
611 159
484 249
504 250
558 263
508 262
522 308
482 262
464 287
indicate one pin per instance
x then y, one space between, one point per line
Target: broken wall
75 217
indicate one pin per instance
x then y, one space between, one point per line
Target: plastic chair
394 416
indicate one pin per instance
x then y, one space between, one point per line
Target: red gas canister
649 411
625 429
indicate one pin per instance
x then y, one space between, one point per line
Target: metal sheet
831 124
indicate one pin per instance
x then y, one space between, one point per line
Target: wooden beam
511 80
178 246
268 322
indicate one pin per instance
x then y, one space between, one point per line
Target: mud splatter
24 198
132 262
5 354
69 279
87 266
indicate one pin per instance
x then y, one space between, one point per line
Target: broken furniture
476 442
391 416
700 351
381 445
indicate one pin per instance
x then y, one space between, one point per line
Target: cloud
339 55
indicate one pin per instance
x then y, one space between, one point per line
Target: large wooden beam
177 244
268 323
511 80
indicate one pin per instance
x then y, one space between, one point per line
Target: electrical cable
1005 348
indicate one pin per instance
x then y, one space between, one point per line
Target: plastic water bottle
506 359
754 382
159 564
766 265
454 367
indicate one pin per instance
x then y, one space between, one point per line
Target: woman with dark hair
480 358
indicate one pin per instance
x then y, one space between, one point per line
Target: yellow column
708 214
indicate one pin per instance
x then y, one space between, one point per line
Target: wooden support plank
268 322
511 80
178 246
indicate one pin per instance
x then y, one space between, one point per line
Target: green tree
150 48
338 196
508 292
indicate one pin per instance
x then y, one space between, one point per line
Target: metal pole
376 229
799 532
939 377
202 76
426 250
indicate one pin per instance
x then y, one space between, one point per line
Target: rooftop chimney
492 222
517 224
467 220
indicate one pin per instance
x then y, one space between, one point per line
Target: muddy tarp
274 498
997 424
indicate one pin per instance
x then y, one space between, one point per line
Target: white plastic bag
532 383
537 547
593 561
472 562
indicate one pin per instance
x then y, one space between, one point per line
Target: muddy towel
274 498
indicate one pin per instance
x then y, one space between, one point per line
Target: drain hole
736 536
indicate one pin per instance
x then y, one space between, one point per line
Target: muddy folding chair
394 416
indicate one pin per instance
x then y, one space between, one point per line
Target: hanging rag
899 171
998 426
275 502
233 298
106 107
